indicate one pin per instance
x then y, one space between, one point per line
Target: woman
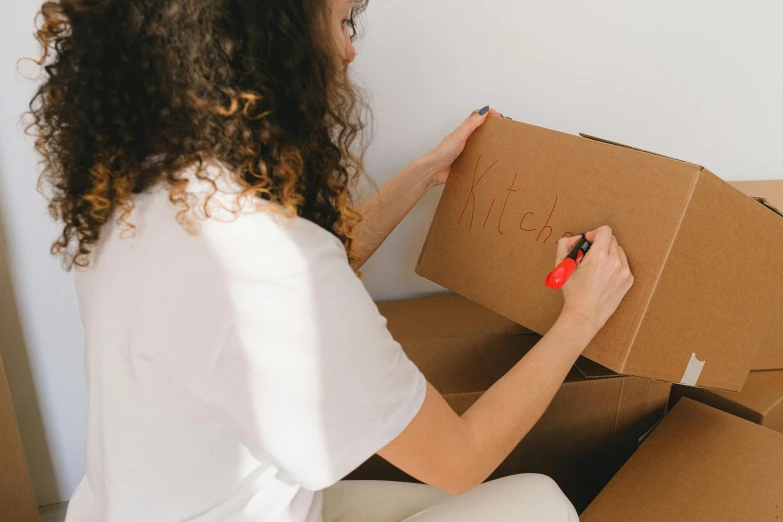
202 157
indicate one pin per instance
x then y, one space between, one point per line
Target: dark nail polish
483 111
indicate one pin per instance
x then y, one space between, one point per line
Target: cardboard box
17 501
699 465
770 355
760 401
586 434
706 257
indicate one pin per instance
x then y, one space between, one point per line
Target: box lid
700 465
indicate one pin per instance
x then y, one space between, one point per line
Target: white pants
518 498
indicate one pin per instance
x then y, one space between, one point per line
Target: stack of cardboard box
706 309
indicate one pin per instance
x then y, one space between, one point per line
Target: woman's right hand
599 283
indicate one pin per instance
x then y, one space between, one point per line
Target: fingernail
483 111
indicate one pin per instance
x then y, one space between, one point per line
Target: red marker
560 275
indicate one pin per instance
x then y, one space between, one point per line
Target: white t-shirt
234 373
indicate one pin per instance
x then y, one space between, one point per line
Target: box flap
460 346
592 370
647 433
713 398
699 465
461 401
762 391
617 144
772 190
447 315
467 364
760 401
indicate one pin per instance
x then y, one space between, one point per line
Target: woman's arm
457 453
385 209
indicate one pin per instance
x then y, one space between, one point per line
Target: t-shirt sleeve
309 372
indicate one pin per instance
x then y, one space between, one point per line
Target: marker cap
559 276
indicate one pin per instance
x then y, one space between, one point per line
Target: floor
53 513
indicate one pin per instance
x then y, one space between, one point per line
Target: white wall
45 299
698 80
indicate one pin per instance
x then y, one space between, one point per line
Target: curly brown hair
137 91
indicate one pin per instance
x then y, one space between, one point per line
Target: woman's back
212 362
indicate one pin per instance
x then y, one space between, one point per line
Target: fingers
468 127
625 271
616 259
624 258
562 250
572 241
614 249
601 239
476 114
564 246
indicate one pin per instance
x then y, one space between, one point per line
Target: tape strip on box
693 371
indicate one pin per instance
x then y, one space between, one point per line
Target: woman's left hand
440 159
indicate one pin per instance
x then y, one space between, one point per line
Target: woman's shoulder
211 216
244 229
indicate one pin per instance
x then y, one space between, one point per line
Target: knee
539 485
543 495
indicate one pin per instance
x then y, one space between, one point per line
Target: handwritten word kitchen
532 222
